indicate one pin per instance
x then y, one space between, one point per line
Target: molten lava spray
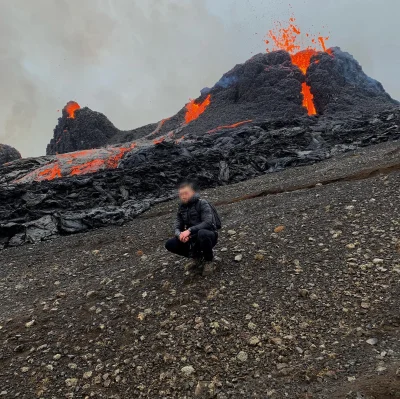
70 108
194 110
286 38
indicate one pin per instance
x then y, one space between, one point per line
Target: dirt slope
310 311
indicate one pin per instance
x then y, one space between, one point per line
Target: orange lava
113 161
288 38
303 59
308 99
78 163
194 110
87 167
159 140
230 126
51 172
70 108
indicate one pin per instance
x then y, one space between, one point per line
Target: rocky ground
305 303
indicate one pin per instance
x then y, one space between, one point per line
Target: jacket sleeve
178 227
206 217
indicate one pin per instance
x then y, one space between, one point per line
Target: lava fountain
287 38
70 109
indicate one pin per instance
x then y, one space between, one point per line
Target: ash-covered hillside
311 309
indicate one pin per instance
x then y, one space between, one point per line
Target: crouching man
195 229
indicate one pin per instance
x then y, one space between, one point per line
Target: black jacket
196 215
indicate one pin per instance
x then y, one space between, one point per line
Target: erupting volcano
287 39
70 108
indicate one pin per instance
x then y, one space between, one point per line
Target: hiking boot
194 264
208 268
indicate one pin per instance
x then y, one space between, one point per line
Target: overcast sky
139 61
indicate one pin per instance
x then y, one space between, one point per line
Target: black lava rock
8 154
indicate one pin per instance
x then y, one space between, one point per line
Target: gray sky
139 61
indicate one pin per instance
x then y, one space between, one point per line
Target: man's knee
170 245
204 234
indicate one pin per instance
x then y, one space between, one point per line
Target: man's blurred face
185 194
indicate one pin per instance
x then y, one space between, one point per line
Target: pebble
279 229
187 370
202 388
365 305
30 323
71 382
372 341
276 341
377 261
251 326
254 341
242 356
231 232
57 357
87 375
238 258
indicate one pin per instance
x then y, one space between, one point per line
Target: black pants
198 246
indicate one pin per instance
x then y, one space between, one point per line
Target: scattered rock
254 341
71 382
279 229
87 375
242 356
187 370
276 341
29 323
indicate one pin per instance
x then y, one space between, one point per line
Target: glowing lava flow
308 99
159 140
78 163
194 110
287 39
217 129
70 108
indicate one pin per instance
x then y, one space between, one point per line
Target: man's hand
184 236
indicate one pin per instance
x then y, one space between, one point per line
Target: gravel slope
310 308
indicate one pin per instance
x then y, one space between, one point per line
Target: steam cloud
139 61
